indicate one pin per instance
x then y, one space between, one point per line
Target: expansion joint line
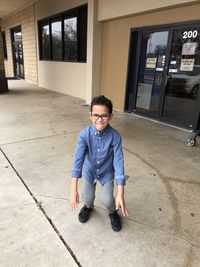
43 211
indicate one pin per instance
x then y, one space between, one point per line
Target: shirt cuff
121 180
76 173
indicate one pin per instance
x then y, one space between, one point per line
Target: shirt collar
94 131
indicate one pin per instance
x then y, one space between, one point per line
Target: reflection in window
17 36
70 35
184 64
56 40
45 41
157 41
152 62
156 50
178 53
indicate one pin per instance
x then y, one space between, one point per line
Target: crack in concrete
154 228
172 198
189 258
31 139
181 181
57 198
130 219
38 138
22 204
53 119
38 203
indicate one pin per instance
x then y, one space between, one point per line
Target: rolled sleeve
76 173
118 161
121 180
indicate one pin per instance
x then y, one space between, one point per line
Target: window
63 37
56 37
4 45
70 38
45 40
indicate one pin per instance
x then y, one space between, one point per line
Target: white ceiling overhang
7 7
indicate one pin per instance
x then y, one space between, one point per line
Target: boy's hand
74 197
120 203
74 200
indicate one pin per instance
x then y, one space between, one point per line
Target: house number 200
190 34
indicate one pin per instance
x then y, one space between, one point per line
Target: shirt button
97 170
98 150
97 162
99 137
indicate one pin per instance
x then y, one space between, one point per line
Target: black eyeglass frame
102 116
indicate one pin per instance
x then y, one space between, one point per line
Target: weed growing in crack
39 205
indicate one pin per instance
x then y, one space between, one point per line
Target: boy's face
100 117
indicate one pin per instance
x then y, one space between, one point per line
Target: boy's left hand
120 203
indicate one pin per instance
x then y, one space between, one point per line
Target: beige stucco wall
68 78
109 9
115 46
46 8
25 18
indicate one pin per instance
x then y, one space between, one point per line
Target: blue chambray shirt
99 156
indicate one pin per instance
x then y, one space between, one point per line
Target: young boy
99 153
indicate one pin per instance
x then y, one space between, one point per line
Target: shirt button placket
98 156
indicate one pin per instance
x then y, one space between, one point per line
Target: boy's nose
100 117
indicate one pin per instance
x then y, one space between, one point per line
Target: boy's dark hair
102 100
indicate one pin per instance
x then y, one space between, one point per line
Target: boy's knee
108 201
88 198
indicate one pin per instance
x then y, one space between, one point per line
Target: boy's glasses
97 116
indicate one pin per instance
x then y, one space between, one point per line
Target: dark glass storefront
17 48
164 74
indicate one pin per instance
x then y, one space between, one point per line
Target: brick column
3 80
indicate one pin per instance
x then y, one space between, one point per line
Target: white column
93 51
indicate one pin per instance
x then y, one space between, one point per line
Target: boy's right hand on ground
74 200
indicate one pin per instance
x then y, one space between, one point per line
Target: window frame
5 53
81 13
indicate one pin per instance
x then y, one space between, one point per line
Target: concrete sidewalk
38 132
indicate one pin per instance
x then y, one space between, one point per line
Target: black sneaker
84 214
115 221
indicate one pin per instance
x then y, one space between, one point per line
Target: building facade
143 55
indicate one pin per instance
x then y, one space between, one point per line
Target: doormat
12 78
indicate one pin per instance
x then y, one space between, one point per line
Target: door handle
165 79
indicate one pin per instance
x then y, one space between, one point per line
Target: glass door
18 59
152 72
163 79
181 101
